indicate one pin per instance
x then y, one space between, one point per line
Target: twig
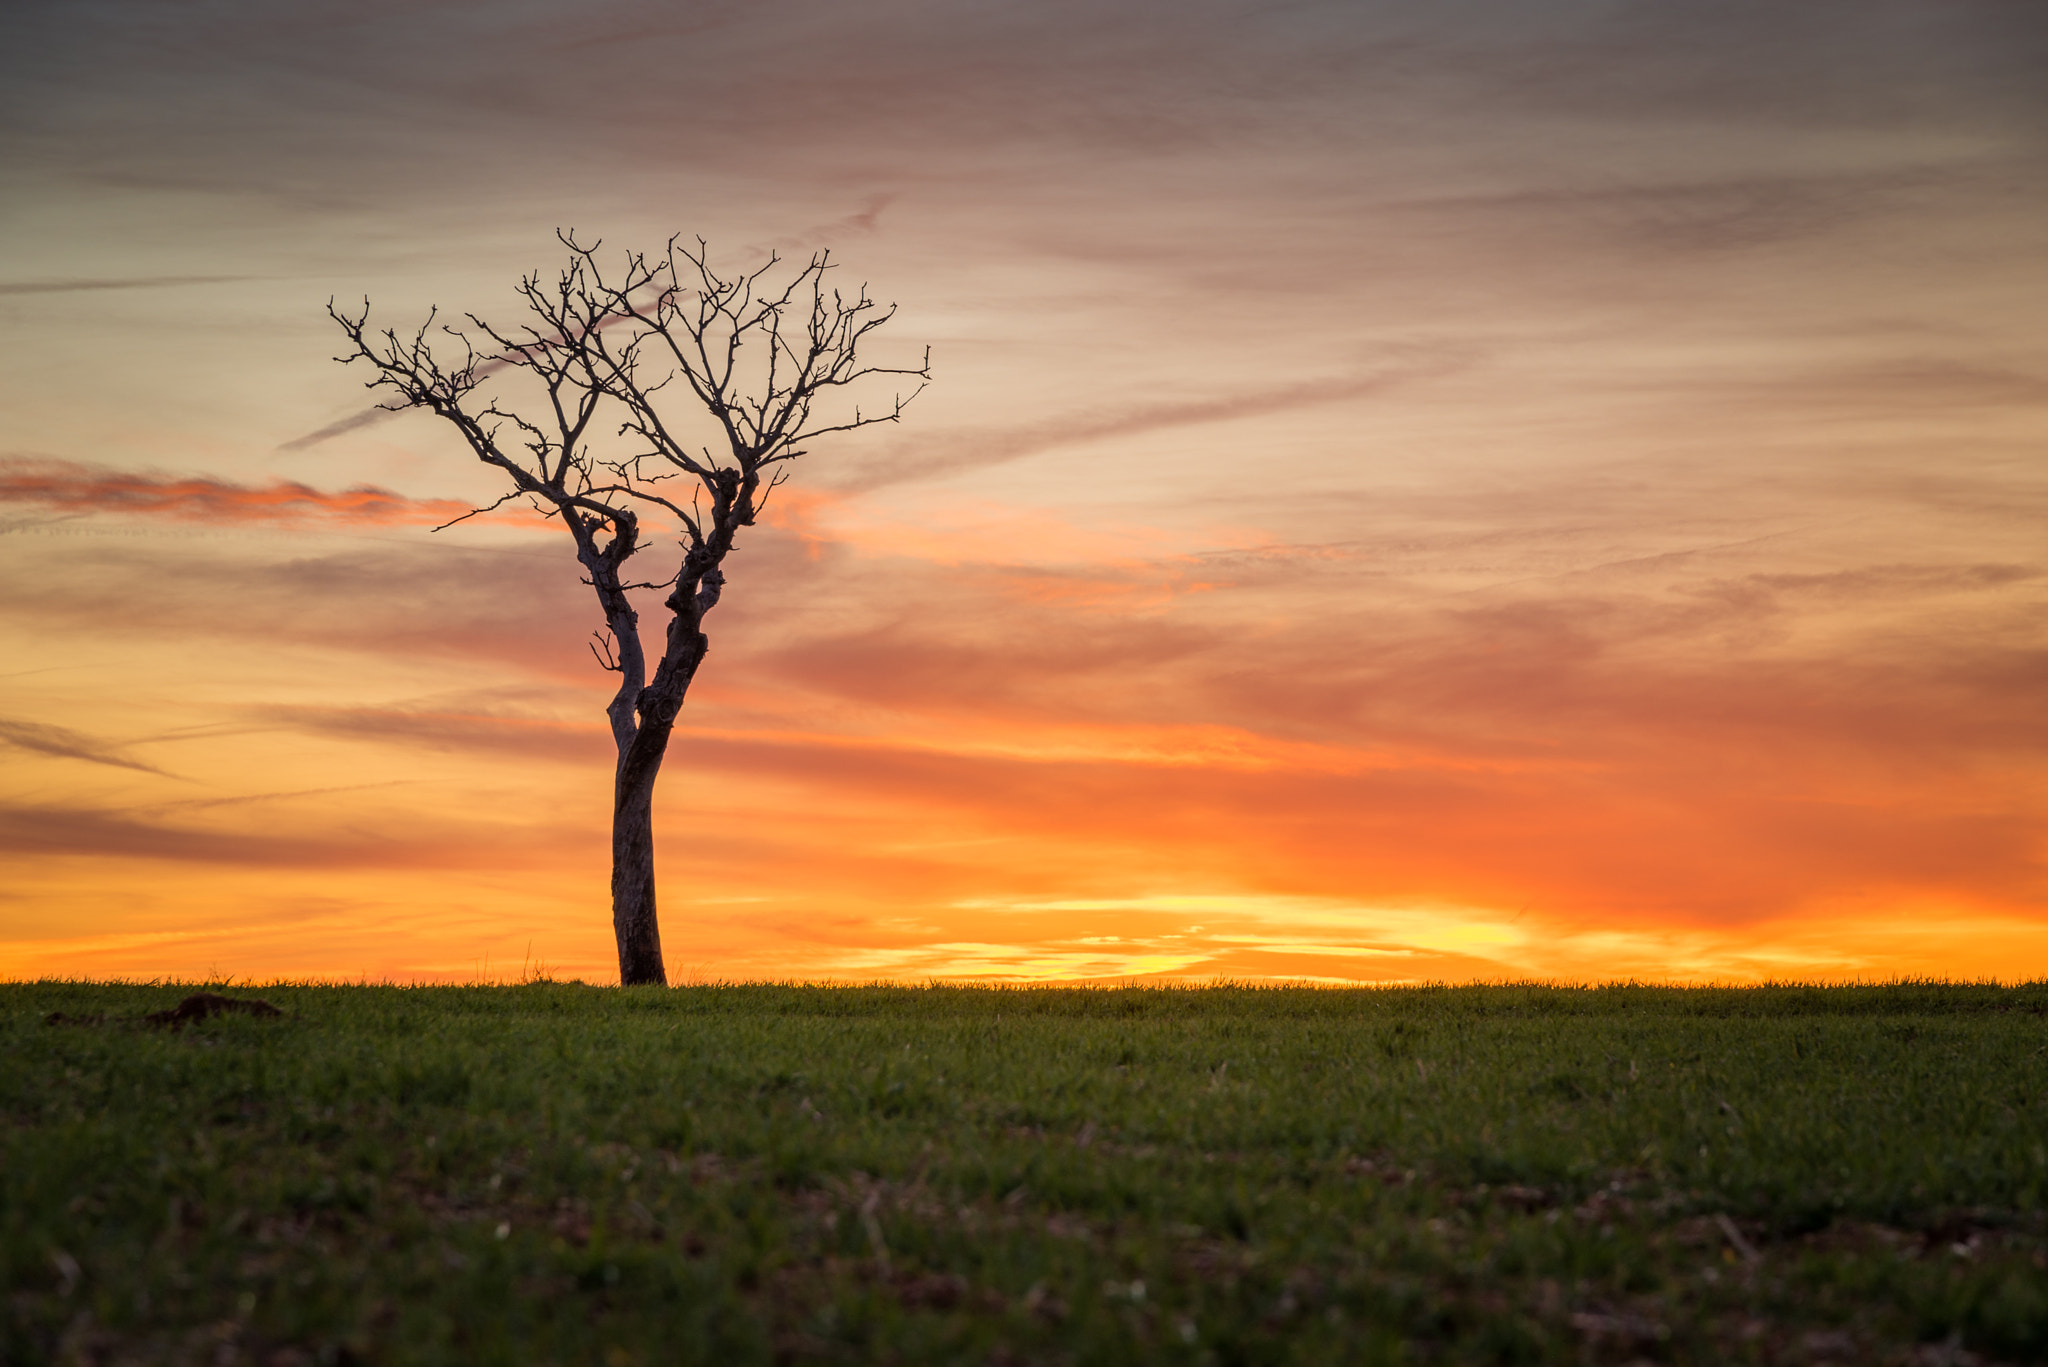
874 1229
1736 1241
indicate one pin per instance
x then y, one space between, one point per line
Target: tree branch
756 353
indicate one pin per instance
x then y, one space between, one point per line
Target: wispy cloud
945 453
65 743
58 829
520 737
440 600
338 428
69 487
195 804
141 282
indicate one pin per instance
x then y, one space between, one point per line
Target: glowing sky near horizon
1464 491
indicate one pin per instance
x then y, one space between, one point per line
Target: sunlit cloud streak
71 488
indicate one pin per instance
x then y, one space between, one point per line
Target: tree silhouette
611 436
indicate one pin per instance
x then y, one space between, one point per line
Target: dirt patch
194 1008
201 1005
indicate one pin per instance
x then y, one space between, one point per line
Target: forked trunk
633 912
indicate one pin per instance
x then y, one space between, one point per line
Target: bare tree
608 436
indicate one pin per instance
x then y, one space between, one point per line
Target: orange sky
1408 493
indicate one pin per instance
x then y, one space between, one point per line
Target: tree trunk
633 915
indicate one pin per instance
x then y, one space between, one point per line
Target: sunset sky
1409 492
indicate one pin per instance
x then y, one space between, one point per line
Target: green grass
559 1173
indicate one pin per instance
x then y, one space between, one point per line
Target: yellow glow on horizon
506 928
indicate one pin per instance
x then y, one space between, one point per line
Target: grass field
559 1173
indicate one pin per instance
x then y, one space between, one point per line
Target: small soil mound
204 1004
193 1008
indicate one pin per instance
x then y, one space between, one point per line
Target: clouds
1391 471
1896 66
1708 737
1583 747
1545 709
1054 100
